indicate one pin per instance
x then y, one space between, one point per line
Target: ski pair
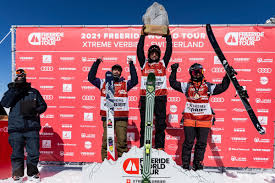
231 73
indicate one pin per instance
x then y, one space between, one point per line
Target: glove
99 59
130 62
174 67
142 31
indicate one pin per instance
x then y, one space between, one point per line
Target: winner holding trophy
155 20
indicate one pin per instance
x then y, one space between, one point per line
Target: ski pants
160 120
121 138
29 140
201 134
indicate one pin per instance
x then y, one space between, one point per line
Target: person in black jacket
198 114
158 66
121 110
26 104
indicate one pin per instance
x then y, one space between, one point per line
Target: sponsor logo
66 107
67 97
131 136
47 126
88 145
87 153
66 115
217 60
239 129
243 38
264 101
87 136
46 87
238 110
215 157
217 70
66 144
169 137
4 129
132 98
173 118
45 38
235 100
266 60
215 109
46 134
170 70
264 70
85 69
260 159
238 139
67 126
174 99
87 88
133 118
88 97
46 78
263 90
234 158
46 59
263 110
46 144
258 140
216 149
27 68
131 166
237 149
239 119
67 69
67 58
46 68
217 80
62 153
217 99
67 78
87 107
243 70
176 60
195 59
47 97
242 60
261 150
263 120
263 80
67 88
88 126
47 116
67 135
26 58
215 129
219 119
173 108
88 116
87 59
46 152
216 139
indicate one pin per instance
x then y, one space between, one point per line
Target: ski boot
197 166
34 178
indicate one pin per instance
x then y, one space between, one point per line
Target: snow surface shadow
132 135
49 171
270 181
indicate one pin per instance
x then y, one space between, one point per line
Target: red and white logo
47 59
263 120
263 80
216 139
173 108
46 144
231 38
67 88
88 116
67 135
131 166
45 38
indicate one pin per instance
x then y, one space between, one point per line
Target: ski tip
208 27
110 157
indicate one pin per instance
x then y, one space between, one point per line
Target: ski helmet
194 70
156 49
117 67
22 74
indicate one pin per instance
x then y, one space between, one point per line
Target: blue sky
121 12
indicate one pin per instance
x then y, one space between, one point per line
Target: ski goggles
196 71
20 73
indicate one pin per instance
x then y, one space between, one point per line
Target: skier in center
197 113
158 66
122 88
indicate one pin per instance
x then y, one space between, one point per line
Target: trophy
156 20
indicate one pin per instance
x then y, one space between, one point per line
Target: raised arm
92 74
134 78
173 78
220 88
168 51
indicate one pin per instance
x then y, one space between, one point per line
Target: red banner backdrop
57 61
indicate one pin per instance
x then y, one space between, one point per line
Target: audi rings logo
46 68
88 97
47 97
173 99
132 98
264 70
217 69
217 99
85 69
170 70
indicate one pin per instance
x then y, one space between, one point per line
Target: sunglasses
20 73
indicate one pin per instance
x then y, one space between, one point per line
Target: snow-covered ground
61 174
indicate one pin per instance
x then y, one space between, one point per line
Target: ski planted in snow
110 90
149 113
231 73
